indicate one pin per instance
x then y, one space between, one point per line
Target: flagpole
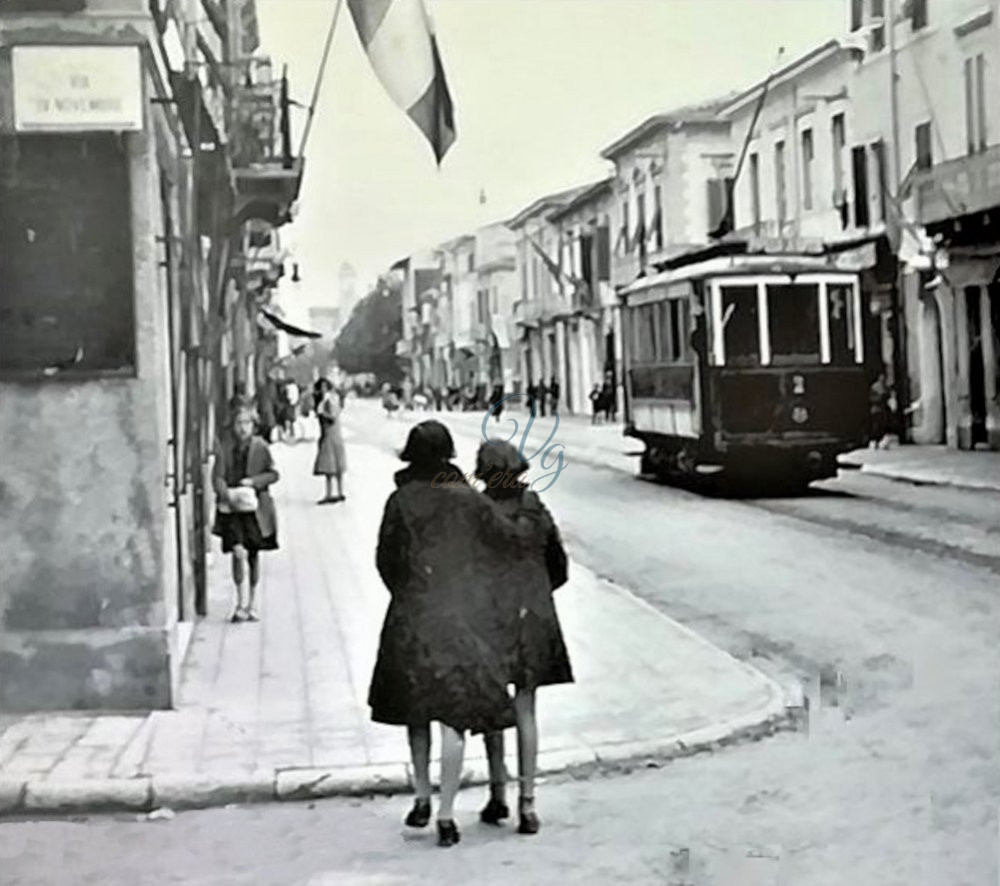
319 75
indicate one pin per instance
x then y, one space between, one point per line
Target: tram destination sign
77 88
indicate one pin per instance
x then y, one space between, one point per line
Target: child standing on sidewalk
245 516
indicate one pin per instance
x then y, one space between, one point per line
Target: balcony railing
958 187
268 176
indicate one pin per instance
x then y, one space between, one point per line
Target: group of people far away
470 576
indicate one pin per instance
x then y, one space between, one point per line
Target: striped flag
400 42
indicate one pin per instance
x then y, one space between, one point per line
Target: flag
398 37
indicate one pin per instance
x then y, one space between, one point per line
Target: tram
748 366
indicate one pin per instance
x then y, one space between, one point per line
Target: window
975 103
779 180
755 188
879 175
922 140
677 329
857 14
625 234
658 216
877 37
66 272
793 314
739 325
717 202
472 261
859 165
640 225
807 164
839 138
918 14
840 318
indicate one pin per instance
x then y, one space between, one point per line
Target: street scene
419 466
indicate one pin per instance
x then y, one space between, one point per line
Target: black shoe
420 815
529 823
494 812
448 834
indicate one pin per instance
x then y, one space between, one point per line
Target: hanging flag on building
399 39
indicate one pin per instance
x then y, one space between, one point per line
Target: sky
540 87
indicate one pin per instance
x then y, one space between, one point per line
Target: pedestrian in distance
554 391
596 403
538 655
330 463
245 516
496 400
444 551
608 397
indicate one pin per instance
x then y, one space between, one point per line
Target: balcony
958 187
267 175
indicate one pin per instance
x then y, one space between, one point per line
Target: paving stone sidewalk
277 710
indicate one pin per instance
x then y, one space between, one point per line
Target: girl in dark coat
537 650
443 552
245 514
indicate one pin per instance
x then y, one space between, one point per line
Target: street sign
77 88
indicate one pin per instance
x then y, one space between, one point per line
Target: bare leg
527 759
452 755
253 560
527 741
420 755
239 555
329 486
340 486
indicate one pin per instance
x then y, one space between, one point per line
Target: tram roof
744 264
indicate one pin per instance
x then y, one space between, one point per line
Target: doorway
977 366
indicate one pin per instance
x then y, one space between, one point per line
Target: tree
367 343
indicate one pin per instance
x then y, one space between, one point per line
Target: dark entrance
977 367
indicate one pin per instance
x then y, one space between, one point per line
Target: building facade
129 313
944 132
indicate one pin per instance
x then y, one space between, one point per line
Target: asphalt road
880 601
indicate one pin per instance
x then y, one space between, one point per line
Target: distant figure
608 397
596 403
532 396
407 394
554 391
879 397
330 462
496 398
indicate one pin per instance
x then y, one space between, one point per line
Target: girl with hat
538 655
443 554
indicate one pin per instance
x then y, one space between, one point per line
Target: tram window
645 334
739 324
840 310
793 312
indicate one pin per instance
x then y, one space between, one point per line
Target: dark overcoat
445 555
539 650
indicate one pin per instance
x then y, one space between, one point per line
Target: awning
278 323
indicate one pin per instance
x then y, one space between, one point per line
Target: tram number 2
798 385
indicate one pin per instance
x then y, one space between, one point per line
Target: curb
903 477
147 793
